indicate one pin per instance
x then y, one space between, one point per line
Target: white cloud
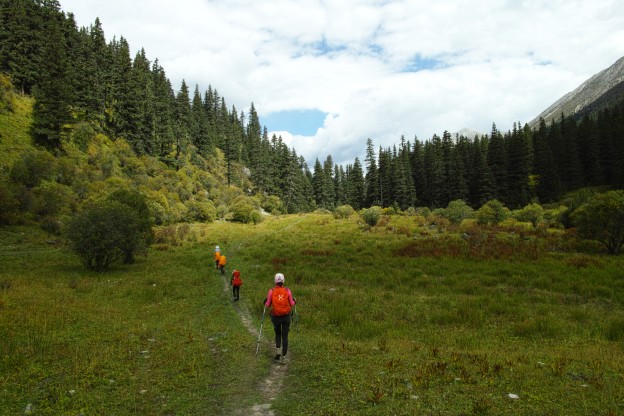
489 61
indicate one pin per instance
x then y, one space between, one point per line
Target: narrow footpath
271 386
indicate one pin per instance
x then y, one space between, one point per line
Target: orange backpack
279 300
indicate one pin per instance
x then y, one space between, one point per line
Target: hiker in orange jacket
236 282
222 263
217 254
281 300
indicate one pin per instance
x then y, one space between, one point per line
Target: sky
326 75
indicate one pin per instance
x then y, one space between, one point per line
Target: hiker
281 300
222 263
217 254
236 282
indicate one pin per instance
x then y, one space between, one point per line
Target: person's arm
267 301
291 299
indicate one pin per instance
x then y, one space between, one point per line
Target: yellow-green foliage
90 165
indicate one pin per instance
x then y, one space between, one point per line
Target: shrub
241 212
533 213
32 167
492 213
139 234
256 216
372 215
52 199
200 211
99 233
456 211
602 219
274 205
344 211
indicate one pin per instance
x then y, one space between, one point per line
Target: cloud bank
379 69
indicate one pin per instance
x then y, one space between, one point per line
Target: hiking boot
277 358
284 360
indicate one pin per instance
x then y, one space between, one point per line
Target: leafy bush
602 219
372 215
200 211
117 227
52 199
344 211
32 167
274 205
492 213
456 211
533 213
140 234
241 212
99 233
256 216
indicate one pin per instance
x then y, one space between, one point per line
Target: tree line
77 77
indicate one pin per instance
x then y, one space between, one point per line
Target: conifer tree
371 179
497 160
355 185
52 91
481 182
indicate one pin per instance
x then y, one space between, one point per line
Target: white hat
279 278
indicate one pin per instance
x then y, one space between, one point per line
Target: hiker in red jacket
281 300
236 282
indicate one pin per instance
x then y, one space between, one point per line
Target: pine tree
52 92
497 160
520 167
371 179
545 169
481 182
355 188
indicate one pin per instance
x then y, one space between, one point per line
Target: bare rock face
587 93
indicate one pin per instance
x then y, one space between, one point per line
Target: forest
84 86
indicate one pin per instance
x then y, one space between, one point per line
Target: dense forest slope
82 117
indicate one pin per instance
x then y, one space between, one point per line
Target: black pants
222 268
281 325
236 292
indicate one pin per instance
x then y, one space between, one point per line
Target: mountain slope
594 90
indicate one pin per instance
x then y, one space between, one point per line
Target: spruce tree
371 179
52 92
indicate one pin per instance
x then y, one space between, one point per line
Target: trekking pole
296 319
260 333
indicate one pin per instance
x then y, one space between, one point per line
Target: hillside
602 88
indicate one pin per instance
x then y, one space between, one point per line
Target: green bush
492 213
32 167
602 219
456 211
99 233
274 205
241 212
533 213
344 211
372 215
200 211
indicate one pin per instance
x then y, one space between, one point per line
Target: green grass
391 322
14 128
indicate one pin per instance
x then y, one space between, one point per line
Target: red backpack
279 300
237 281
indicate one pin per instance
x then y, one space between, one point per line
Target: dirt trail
271 386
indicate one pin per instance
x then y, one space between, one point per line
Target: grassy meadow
398 319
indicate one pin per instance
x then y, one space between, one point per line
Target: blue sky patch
301 122
420 63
